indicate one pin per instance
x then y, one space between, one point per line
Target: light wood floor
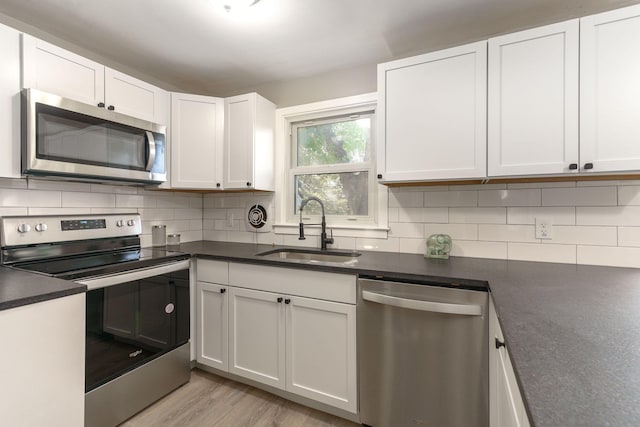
210 400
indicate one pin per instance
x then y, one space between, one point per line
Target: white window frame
286 221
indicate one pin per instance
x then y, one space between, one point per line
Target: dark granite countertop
573 331
22 288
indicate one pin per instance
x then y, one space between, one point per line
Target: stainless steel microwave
66 138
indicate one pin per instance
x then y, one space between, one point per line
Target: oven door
69 138
133 318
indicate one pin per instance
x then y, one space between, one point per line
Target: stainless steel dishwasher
423 354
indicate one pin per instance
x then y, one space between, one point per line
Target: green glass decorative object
438 246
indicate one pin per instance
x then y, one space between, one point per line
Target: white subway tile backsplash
477 249
39 184
95 200
437 199
217 235
406 229
14 211
30 198
629 195
584 235
413 246
580 196
271 239
134 201
13 183
399 199
393 215
435 215
542 253
114 189
560 215
478 215
156 214
620 182
507 233
57 211
392 244
189 213
628 236
609 255
456 231
525 197
618 215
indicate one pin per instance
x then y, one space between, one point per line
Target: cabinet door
321 351
432 111
52 69
257 336
249 142
136 98
533 101
196 141
506 405
238 141
212 325
610 91
10 102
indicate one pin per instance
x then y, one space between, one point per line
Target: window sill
369 232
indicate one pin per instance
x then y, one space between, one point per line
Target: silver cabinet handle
152 150
435 307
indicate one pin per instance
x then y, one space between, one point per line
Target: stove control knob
41 227
131 223
24 228
119 223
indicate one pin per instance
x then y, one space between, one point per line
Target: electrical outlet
544 228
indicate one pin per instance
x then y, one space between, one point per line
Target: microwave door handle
432 306
151 150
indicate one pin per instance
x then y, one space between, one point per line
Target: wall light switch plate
544 228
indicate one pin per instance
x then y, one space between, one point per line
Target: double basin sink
313 256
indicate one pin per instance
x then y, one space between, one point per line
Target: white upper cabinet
136 98
432 115
533 101
196 141
610 91
10 102
249 142
52 69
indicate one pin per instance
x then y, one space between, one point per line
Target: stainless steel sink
310 255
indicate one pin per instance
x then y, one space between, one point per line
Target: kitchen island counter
571 330
19 288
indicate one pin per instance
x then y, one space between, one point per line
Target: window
331 159
327 149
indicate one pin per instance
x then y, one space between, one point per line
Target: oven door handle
130 276
432 306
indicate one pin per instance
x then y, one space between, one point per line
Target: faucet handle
301 232
330 239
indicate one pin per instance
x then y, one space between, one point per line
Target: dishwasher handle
431 306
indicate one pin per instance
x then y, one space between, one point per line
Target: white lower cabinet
256 338
294 330
321 351
506 404
42 363
213 325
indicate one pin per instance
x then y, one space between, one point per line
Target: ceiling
191 46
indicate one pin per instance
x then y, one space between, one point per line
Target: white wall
180 212
595 222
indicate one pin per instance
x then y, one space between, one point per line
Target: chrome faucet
323 232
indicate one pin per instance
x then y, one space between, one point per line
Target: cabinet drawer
288 281
212 271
